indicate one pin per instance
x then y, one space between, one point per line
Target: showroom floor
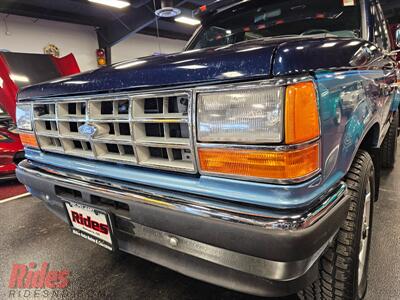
31 234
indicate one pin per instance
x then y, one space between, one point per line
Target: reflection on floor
11 188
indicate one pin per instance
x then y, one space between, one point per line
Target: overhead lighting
113 3
183 61
188 21
250 49
19 78
130 64
167 9
329 45
79 82
192 67
232 74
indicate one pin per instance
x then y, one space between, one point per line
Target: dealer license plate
91 224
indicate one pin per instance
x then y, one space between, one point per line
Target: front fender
342 138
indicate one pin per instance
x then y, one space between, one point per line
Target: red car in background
11 149
18 70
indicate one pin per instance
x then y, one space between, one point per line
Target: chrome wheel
365 231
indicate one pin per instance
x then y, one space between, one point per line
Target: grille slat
152 131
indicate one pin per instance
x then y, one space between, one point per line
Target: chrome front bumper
269 253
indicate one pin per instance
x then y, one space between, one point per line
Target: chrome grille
147 130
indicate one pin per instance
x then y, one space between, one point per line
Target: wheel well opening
371 139
370 144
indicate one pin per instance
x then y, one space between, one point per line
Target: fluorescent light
329 45
183 61
354 43
77 82
130 64
251 49
113 3
232 74
20 78
192 67
187 20
62 79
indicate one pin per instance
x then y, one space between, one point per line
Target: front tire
343 268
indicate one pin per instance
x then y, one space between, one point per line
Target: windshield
341 18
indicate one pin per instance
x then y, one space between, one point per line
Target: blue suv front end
190 220
195 171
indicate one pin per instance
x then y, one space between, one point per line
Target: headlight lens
243 116
24 117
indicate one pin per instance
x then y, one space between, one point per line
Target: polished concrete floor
29 233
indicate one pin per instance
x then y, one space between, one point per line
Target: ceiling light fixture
167 10
113 3
188 21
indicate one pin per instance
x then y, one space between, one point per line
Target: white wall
29 35
32 35
140 45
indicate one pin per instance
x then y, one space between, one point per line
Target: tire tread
337 264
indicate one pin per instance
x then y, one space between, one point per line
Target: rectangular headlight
24 116
242 116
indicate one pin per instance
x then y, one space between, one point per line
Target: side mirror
398 37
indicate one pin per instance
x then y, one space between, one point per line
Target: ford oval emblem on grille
87 130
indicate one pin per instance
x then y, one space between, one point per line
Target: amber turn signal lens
301 113
260 163
29 140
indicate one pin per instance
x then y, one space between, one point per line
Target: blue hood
251 60
246 60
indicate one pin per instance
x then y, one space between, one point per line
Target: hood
250 60
245 60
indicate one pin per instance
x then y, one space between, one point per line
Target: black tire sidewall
356 246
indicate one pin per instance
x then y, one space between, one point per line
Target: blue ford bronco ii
251 160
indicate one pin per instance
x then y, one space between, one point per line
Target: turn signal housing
264 164
28 140
301 113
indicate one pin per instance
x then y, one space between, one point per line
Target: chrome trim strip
208 208
259 147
